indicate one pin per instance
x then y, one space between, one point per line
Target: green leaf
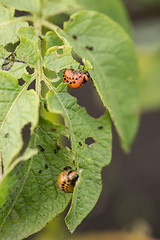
18 69
115 72
3 52
59 57
28 32
28 51
53 7
30 196
18 108
9 26
114 9
29 5
53 39
90 158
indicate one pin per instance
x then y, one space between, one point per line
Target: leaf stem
38 70
50 25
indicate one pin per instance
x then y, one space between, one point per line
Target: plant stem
38 69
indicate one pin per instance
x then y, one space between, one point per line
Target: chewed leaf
9 26
18 69
59 57
53 40
28 51
30 191
91 146
115 73
28 32
18 108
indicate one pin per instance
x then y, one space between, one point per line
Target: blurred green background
129 206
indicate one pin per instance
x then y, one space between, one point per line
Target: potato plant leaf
9 26
115 71
113 9
30 196
91 149
28 51
18 108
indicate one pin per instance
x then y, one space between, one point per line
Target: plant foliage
34 53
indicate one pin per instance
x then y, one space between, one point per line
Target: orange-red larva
75 79
66 180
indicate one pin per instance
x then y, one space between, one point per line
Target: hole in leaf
64 141
21 13
26 134
58 20
77 58
32 85
40 170
30 70
10 47
93 104
89 141
21 82
60 51
80 144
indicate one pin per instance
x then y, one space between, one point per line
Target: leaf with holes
115 72
90 157
9 26
28 51
53 40
58 58
28 32
19 108
18 69
30 196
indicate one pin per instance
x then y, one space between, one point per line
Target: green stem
49 25
38 70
